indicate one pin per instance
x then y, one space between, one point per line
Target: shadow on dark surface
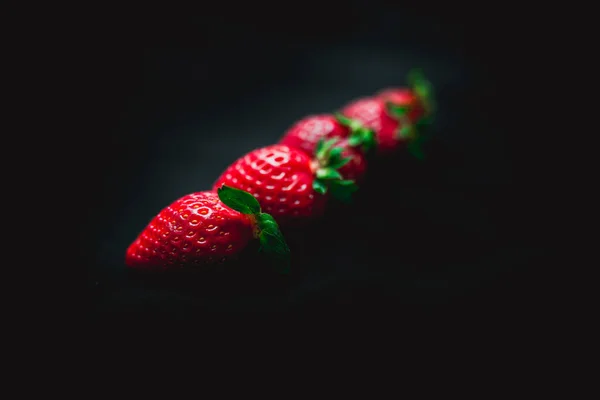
430 234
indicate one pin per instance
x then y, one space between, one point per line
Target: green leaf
346 183
238 200
405 132
323 151
415 76
338 162
328 173
272 242
342 119
416 150
353 124
368 139
342 190
335 154
329 143
422 86
320 145
396 110
363 137
319 186
424 122
423 131
359 134
355 139
423 89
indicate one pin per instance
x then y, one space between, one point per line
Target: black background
180 96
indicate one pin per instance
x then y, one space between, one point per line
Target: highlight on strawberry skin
288 183
206 228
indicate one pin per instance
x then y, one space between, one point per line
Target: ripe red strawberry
206 228
417 99
391 131
338 132
355 163
306 133
288 183
403 97
394 115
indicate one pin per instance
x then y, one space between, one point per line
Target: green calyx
415 147
360 136
272 242
327 177
424 91
407 131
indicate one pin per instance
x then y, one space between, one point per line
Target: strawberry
206 228
288 183
354 164
306 133
403 97
391 131
394 113
417 100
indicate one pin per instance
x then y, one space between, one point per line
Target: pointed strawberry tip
130 259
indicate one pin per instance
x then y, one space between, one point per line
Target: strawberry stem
406 130
327 177
360 136
272 242
423 89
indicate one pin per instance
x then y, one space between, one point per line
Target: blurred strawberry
417 100
307 132
397 116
